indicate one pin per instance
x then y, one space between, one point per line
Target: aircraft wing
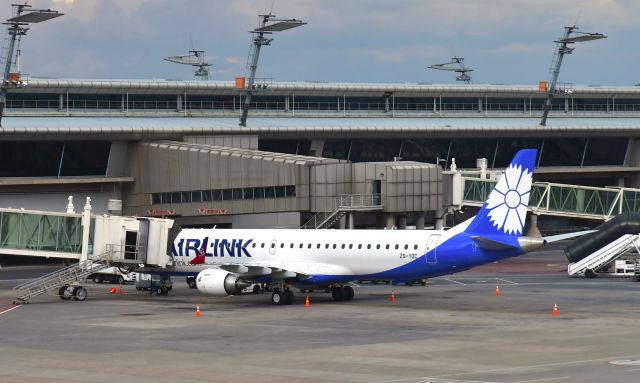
560 237
282 269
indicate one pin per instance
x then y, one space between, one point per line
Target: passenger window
254 245
368 246
326 246
334 245
406 247
397 247
262 245
282 245
317 246
415 247
301 245
387 247
350 246
378 247
343 245
273 245
359 246
309 246
291 246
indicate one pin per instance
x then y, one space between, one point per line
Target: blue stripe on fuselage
456 254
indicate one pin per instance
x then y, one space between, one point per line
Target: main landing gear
342 293
282 297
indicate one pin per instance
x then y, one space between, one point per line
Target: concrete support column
351 221
420 220
402 222
60 102
479 104
179 103
343 222
390 221
566 105
286 103
439 219
316 148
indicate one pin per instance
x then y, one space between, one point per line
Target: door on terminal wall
131 245
376 187
431 250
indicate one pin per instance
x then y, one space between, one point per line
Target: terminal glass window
226 195
186 196
605 151
206 195
290 190
280 191
156 198
258 193
562 152
196 196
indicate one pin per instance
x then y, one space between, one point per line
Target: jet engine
220 282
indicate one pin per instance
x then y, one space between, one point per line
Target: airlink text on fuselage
188 247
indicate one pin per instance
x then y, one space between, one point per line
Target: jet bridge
95 241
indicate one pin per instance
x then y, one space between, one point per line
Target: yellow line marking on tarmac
9 309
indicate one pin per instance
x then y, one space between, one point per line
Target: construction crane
564 47
456 65
196 59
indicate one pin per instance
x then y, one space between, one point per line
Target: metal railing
563 200
344 203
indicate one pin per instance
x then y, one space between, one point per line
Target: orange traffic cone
306 302
498 291
198 311
392 298
120 289
113 290
555 310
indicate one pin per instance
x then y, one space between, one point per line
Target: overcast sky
504 41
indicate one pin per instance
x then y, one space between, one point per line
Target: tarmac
455 329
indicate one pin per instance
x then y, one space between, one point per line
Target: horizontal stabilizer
560 237
490 244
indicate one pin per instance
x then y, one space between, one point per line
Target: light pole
268 25
17 27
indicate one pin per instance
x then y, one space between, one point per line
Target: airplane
331 259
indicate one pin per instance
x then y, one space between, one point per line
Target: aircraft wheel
588 273
288 297
277 298
337 293
348 293
97 279
191 281
79 293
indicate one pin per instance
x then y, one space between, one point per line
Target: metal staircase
345 203
603 256
55 281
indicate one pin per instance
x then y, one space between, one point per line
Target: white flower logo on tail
507 203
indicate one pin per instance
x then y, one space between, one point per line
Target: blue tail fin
505 211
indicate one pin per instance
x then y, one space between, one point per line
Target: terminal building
312 154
